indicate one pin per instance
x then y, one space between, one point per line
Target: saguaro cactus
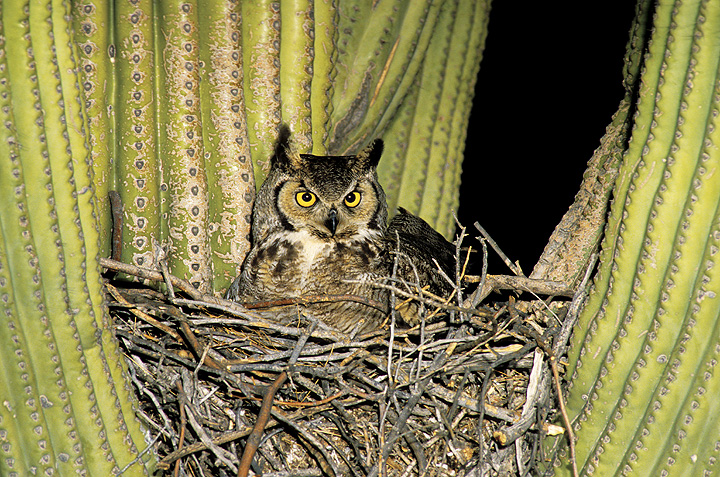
643 389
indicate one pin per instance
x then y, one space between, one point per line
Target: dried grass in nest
468 392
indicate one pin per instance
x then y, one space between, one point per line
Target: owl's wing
420 243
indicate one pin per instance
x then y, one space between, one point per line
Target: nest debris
468 392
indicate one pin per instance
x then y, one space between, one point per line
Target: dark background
549 83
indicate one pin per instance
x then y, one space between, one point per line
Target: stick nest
468 392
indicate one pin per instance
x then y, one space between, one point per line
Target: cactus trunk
643 383
66 406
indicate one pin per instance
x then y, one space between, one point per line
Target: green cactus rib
21 295
399 71
296 69
647 175
640 387
413 179
377 75
22 290
138 168
384 49
432 134
365 41
93 36
604 280
261 45
472 17
81 245
397 138
29 47
45 248
324 60
231 187
182 145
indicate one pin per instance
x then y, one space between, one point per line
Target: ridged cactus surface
164 82
643 381
65 407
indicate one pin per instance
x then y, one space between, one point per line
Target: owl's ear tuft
369 157
285 157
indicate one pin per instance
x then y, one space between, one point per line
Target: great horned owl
319 229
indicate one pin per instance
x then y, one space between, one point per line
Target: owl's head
330 197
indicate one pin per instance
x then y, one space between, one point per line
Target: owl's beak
332 221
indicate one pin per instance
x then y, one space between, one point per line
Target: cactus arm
415 181
138 176
74 192
22 290
182 145
473 17
386 53
576 237
602 282
365 42
231 187
296 70
397 139
325 55
648 335
71 374
92 23
377 75
22 296
449 67
261 43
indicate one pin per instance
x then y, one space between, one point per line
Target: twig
523 284
536 394
137 459
560 344
194 344
161 261
476 297
140 314
154 276
566 418
220 453
402 418
310 299
183 424
253 441
321 455
459 272
226 437
542 343
512 266
432 302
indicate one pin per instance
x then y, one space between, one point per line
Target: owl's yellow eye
305 198
352 199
